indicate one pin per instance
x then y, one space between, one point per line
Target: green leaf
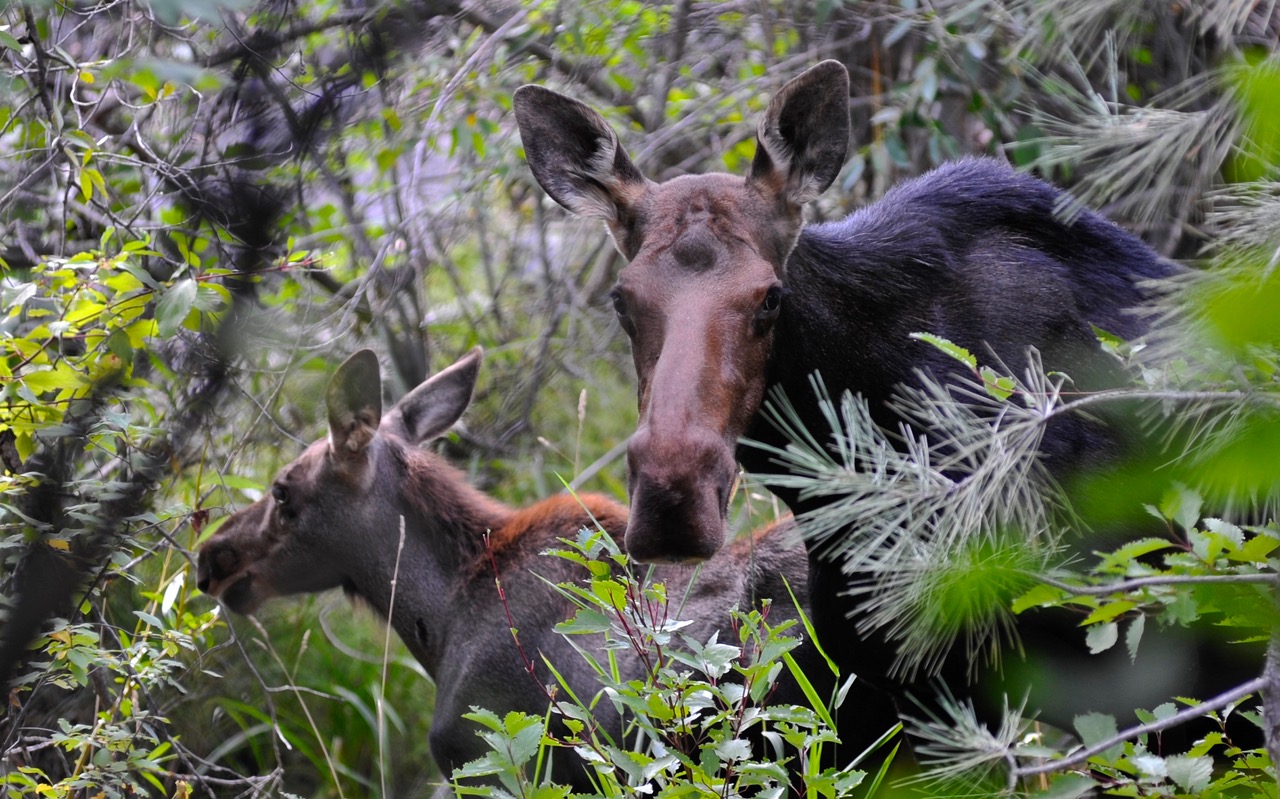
733 751
1134 550
1109 611
954 350
584 622
1040 596
174 307
147 618
1192 774
1102 637
1097 727
997 385
1182 505
1255 549
1133 635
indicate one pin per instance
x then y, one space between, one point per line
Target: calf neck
369 510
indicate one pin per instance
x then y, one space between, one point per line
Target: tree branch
1140 582
1082 755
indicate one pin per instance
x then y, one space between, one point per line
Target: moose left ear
430 409
804 135
354 400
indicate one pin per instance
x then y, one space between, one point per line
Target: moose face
291 540
331 517
702 293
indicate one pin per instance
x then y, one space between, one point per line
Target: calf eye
280 494
620 308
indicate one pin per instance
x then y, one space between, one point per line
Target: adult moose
729 295
334 517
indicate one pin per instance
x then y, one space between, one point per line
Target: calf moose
728 295
334 518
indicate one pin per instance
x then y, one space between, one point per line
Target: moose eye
620 308
280 494
772 300
769 308
619 303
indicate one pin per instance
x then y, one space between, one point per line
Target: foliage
691 718
203 208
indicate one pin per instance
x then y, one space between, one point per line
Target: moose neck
414 579
844 326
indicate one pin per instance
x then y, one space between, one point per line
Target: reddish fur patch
561 517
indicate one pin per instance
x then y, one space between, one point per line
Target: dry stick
599 464
1220 701
297 691
1271 698
386 657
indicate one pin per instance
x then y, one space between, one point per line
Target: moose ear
354 400
575 156
804 136
430 409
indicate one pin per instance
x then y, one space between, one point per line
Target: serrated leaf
584 622
1182 506
1101 637
1255 549
1039 596
1133 635
1109 611
997 385
1192 774
954 350
734 750
1134 550
1225 529
1097 727
1150 765
1068 786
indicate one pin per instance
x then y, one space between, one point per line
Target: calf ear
430 409
354 400
575 156
804 136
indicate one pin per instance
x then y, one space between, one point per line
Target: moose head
333 516
370 510
703 289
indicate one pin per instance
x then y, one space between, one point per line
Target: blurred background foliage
204 207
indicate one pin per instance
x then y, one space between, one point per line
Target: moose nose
214 563
679 489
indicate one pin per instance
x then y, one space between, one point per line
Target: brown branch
1187 714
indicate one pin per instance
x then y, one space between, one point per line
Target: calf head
705 285
332 517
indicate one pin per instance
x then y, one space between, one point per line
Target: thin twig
1140 582
1080 756
386 657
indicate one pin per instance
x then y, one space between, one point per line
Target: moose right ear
354 401
575 156
430 409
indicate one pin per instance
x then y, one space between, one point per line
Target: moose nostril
225 561
215 563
